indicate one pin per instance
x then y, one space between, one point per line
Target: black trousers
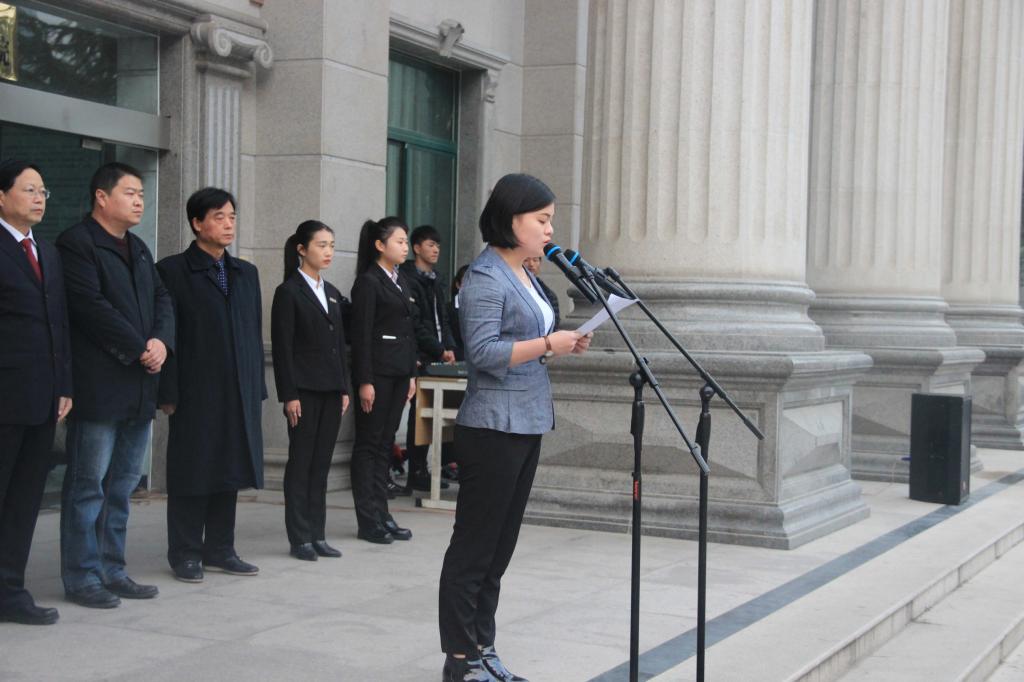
201 527
496 472
416 454
25 459
371 452
310 450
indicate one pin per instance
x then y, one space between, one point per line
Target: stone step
1012 667
963 637
821 636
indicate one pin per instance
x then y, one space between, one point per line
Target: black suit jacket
384 323
35 358
114 309
308 343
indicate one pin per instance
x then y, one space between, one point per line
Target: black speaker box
940 448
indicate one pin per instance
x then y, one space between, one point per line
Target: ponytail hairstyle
372 232
302 237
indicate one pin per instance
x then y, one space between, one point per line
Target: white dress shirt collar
21 237
317 285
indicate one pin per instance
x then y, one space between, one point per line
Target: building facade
822 200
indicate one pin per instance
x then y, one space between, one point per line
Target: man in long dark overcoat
213 390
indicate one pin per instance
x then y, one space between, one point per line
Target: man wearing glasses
35 378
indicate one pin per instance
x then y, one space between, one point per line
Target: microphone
553 252
603 281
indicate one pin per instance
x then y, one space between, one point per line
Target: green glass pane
69 54
421 98
393 200
67 163
431 198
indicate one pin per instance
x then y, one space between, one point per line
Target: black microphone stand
709 390
638 379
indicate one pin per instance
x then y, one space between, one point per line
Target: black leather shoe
376 534
496 668
304 551
323 549
188 571
29 614
421 481
126 588
396 531
232 565
465 670
94 597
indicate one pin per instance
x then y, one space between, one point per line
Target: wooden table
437 404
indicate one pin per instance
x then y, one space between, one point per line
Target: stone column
695 188
874 242
981 208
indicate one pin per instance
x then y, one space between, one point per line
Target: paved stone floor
372 614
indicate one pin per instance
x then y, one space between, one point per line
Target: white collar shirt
317 285
21 237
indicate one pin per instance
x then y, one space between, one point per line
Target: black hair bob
514 194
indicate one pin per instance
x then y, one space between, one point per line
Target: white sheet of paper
616 303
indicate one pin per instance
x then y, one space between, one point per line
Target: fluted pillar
981 215
695 188
874 244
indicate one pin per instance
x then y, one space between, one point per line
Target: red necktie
26 244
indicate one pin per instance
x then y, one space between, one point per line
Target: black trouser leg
496 472
310 450
415 454
375 432
320 467
186 516
219 542
25 457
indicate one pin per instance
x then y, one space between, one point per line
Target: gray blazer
495 310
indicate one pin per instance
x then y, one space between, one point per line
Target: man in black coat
35 379
122 330
213 388
434 340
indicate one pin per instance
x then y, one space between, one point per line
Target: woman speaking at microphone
506 326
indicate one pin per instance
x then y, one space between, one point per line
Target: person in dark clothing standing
213 389
308 344
435 341
35 379
533 265
384 321
453 313
122 332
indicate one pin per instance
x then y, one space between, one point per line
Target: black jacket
114 310
35 354
430 295
308 343
216 377
384 327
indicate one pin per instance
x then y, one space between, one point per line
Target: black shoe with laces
465 670
496 668
232 565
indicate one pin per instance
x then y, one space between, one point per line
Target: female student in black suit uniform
383 368
312 382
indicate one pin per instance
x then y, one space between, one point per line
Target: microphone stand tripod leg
637 379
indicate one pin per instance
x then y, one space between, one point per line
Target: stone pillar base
881 404
787 490
998 417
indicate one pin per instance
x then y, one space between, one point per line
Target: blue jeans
104 468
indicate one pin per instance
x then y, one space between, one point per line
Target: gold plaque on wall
8 42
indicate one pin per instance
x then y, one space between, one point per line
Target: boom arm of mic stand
611 272
641 364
